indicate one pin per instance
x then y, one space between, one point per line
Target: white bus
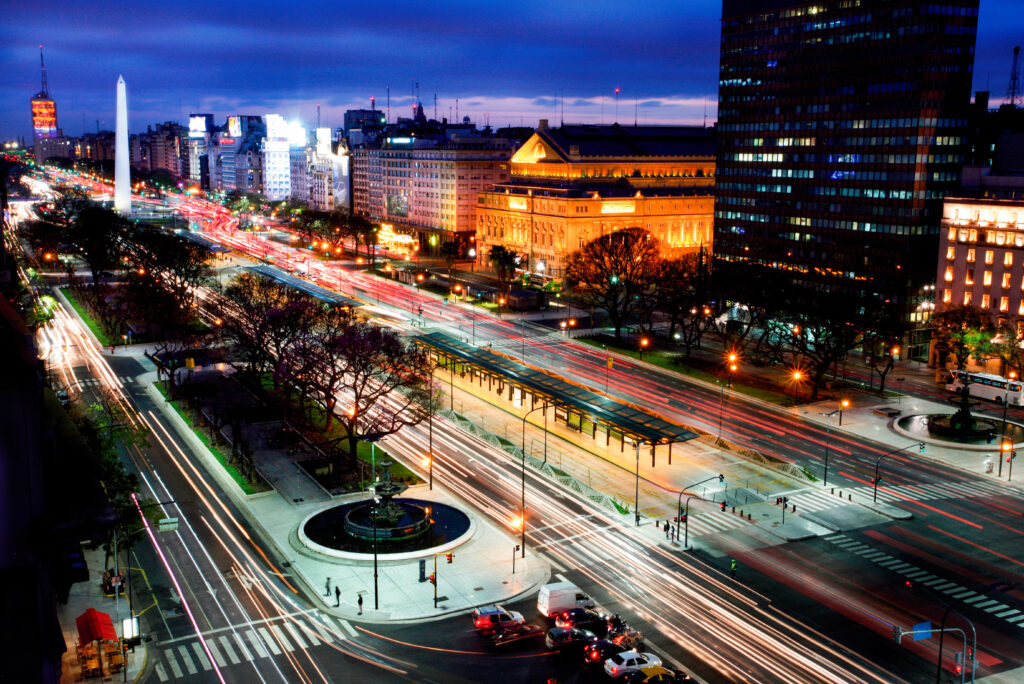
987 386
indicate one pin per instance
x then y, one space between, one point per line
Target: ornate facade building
573 184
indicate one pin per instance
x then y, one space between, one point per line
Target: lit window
1008 259
1006 281
972 236
987 278
950 253
986 301
1004 303
947 297
970 256
949 274
967 298
969 278
989 256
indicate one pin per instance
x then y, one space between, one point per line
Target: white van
560 596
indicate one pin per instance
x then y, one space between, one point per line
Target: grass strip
86 315
239 479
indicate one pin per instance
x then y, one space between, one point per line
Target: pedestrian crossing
820 500
1013 616
249 643
96 382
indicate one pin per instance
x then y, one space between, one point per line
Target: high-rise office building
45 133
842 125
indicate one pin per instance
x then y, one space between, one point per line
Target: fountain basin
325 532
920 427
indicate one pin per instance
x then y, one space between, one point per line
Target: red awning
93 625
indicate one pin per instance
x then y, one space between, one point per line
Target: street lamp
797 377
1009 454
523 451
636 495
373 517
643 346
1006 396
843 404
828 436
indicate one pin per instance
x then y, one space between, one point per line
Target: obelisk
122 175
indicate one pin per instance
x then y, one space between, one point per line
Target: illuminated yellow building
573 184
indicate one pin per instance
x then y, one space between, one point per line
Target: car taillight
594 655
615 670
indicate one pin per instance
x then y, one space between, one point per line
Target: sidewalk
480 574
85 595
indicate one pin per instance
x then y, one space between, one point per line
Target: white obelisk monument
122 175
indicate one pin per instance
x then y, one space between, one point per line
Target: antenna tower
42 65
1012 89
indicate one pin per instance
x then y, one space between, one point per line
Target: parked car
628 661
582 618
566 640
601 650
655 674
491 619
517 635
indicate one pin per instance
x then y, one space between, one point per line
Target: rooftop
615 141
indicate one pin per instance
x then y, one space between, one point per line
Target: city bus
987 386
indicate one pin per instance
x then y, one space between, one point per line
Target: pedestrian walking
327 587
668 530
732 567
111 349
360 604
337 597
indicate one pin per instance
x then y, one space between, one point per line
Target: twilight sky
510 62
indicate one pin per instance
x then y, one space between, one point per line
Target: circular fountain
961 428
384 524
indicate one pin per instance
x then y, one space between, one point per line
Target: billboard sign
235 126
398 205
197 127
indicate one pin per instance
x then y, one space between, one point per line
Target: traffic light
920 447
432 578
723 506
449 556
614 279
721 478
682 518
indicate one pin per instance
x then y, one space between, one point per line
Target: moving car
559 596
582 618
517 635
599 651
491 619
655 674
628 661
566 640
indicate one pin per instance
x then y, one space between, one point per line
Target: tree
386 382
504 262
682 292
882 337
963 332
181 264
68 202
1008 345
451 251
614 272
247 324
98 238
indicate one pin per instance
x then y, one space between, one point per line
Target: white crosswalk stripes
95 382
911 572
240 645
821 500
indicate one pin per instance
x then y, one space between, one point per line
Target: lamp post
643 346
1009 453
797 376
636 495
843 404
721 478
523 451
828 436
875 479
1006 396
430 433
373 517
721 405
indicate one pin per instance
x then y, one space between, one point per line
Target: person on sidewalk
732 567
337 597
327 587
360 602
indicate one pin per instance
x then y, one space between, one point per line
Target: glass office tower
842 125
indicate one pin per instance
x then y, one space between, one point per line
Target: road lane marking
212 645
241 645
201 654
1012 611
257 645
347 626
992 609
281 638
187 659
296 637
269 641
173 662
160 671
229 650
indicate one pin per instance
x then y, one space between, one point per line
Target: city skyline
663 58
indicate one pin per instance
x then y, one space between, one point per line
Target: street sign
167 524
922 631
610 362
